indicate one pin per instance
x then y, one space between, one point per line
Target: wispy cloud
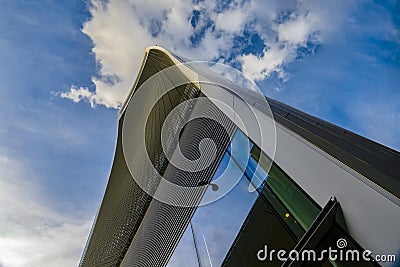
122 29
31 233
77 94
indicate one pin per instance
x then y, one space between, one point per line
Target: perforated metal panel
123 206
125 203
163 224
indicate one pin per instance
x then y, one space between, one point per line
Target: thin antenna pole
195 243
208 253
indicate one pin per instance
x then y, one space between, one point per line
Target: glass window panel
240 153
291 204
216 225
258 176
285 216
287 192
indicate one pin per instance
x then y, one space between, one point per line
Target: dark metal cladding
377 162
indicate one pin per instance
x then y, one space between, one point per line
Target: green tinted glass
287 193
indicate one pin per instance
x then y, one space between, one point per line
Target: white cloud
31 233
122 29
77 94
232 20
296 30
257 68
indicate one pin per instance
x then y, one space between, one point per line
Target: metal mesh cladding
125 203
123 206
132 228
164 224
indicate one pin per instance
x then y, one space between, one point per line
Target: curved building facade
297 183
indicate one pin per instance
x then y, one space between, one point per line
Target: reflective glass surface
264 208
215 226
279 184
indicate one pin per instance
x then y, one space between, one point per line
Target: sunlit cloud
122 29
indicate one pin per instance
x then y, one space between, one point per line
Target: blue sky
67 65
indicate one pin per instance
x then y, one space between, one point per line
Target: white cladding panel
371 214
